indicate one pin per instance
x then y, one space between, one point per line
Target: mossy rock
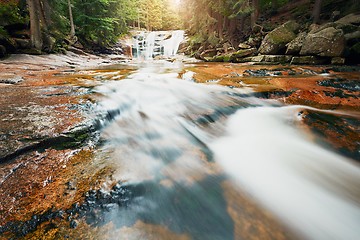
275 42
243 53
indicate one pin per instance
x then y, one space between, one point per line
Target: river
190 156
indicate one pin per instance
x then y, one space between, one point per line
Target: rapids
179 142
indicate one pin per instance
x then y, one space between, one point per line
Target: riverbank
335 41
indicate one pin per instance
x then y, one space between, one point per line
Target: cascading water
150 44
171 45
180 145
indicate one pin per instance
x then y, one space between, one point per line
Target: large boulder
329 42
294 47
275 42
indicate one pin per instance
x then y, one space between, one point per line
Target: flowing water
188 149
200 161
148 45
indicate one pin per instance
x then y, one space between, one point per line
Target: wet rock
275 42
339 83
257 73
329 42
294 47
10 79
311 60
71 185
338 61
74 224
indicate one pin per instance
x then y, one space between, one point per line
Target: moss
227 58
281 35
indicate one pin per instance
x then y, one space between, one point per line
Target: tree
255 13
72 26
35 29
317 11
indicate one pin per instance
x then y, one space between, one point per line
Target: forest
52 25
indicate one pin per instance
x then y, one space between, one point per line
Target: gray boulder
294 47
275 42
329 42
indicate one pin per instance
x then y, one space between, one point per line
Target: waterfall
148 45
171 45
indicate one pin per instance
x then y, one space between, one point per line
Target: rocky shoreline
334 43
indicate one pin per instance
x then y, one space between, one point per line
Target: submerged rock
10 79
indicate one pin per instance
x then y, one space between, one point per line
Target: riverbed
174 150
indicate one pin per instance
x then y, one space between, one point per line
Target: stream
182 141
177 152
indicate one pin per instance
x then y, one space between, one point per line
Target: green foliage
10 14
272 5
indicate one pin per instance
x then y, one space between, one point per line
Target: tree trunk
35 29
45 13
72 26
220 25
255 13
316 11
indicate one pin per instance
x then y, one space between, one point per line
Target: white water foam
312 189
